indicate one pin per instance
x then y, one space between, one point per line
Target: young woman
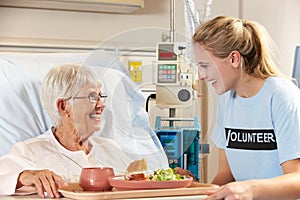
257 129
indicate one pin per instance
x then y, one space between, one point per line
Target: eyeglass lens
94 97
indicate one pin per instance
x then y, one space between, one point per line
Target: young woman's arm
285 187
224 174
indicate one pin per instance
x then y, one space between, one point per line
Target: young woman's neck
249 86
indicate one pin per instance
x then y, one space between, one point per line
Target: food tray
74 191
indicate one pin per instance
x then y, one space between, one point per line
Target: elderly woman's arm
42 180
11 166
19 174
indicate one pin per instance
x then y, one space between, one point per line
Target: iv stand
172 111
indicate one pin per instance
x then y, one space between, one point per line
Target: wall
34 27
281 18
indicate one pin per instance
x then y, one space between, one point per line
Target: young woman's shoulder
285 93
283 86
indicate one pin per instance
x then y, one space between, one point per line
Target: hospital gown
45 152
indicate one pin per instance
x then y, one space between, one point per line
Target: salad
168 174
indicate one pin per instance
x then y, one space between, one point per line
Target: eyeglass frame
99 95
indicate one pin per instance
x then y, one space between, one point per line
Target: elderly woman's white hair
64 82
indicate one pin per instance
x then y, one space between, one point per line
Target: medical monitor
296 69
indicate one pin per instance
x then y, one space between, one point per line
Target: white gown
45 152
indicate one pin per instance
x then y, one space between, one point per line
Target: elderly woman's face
86 112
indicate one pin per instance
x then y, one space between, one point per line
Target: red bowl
95 178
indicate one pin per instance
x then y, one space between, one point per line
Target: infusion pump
174 76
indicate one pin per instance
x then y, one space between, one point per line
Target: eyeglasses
94 97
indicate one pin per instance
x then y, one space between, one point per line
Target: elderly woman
71 95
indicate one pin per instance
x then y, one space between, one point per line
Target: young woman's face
219 72
87 114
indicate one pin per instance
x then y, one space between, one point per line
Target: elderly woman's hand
43 180
185 172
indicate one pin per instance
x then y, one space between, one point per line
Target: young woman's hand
232 191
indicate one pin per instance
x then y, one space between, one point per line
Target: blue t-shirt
261 132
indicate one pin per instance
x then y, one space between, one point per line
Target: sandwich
137 170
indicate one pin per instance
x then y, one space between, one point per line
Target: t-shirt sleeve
286 119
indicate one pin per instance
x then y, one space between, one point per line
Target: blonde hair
224 34
64 82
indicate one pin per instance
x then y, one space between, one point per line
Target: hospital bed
22 116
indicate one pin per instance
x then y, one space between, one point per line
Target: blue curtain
296 69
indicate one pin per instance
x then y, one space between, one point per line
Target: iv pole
172 21
172 111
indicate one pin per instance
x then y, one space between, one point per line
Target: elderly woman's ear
62 107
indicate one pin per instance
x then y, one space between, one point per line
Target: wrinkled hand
43 180
231 191
185 172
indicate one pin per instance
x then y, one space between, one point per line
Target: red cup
96 178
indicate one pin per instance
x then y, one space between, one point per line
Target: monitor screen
296 69
166 52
